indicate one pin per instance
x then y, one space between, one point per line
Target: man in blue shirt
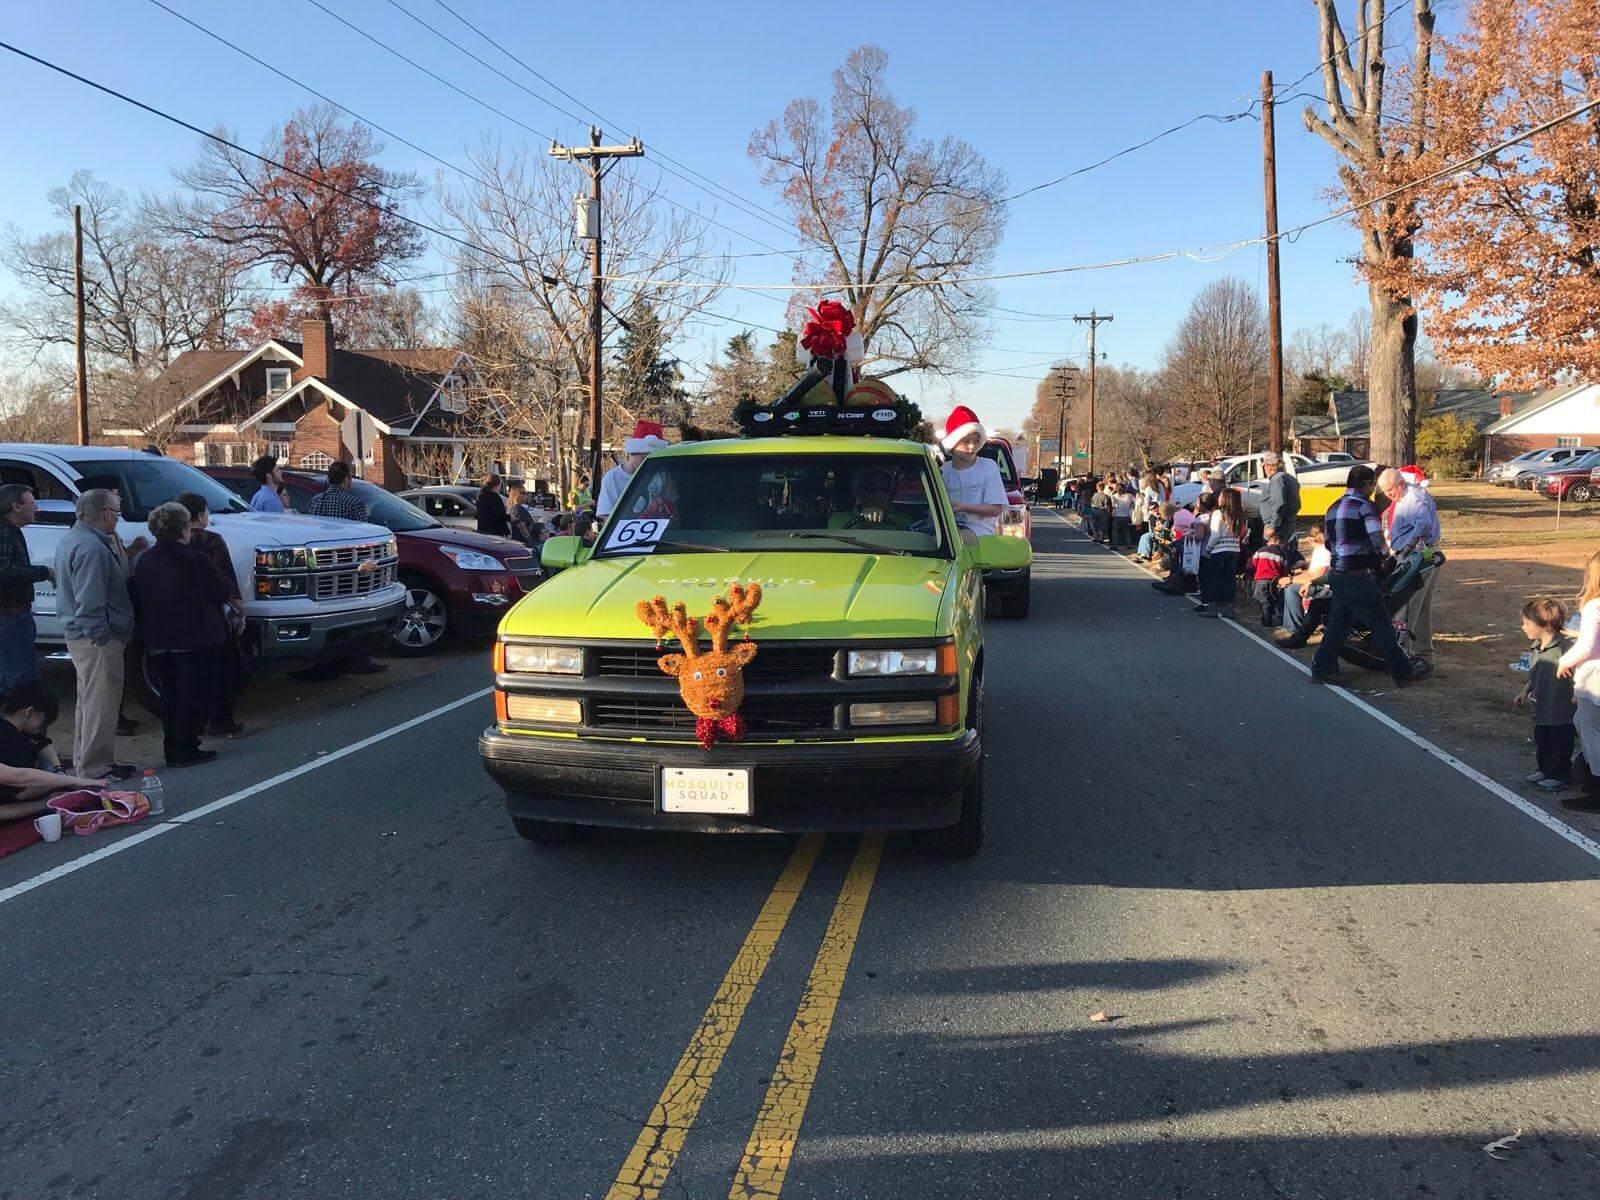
1414 526
266 499
1354 537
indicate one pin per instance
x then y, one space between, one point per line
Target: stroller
1400 579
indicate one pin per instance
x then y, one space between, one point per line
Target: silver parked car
1531 473
450 504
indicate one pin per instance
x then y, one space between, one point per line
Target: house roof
1533 402
1480 407
1318 426
393 386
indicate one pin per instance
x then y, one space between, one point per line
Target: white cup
49 826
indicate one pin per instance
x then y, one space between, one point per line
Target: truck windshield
144 481
815 503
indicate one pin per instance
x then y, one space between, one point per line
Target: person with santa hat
647 438
977 493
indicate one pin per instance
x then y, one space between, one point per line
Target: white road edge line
1526 807
205 810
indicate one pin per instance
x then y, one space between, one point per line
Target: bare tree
1139 412
146 296
1215 367
536 268
1357 367
1375 156
896 219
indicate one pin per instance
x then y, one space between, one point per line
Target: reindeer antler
675 620
737 609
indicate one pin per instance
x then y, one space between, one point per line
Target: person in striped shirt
1355 541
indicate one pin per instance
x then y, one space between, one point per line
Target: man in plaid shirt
1354 537
338 499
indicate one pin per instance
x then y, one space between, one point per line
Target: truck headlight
271 587
541 660
471 560
895 712
924 660
280 558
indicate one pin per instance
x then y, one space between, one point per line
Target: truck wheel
141 679
549 833
1579 492
425 623
965 837
1015 606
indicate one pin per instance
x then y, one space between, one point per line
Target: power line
322 184
738 199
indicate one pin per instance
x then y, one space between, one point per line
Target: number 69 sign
637 535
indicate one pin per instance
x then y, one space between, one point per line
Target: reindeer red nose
714 703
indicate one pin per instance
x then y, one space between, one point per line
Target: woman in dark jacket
227 673
181 594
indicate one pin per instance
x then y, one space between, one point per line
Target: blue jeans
1357 597
18 662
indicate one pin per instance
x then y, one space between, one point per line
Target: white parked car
314 588
1244 472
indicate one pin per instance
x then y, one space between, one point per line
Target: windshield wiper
859 543
669 545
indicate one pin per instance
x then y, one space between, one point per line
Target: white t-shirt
978 484
612 484
1322 557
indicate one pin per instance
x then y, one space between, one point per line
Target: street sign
1080 454
1049 445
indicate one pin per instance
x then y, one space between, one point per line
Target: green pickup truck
840 673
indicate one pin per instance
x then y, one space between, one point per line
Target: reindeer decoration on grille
711 682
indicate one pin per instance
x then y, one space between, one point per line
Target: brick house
386 412
1559 416
1345 427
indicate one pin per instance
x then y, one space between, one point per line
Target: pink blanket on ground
85 811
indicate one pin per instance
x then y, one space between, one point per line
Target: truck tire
1579 493
1015 606
965 837
549 833
140 679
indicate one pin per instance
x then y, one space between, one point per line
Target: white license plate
724 791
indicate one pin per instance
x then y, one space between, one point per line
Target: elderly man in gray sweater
97 621
1280 500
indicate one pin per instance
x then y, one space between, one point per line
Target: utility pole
1269 163
78 346
588 215
1064 392
1093 320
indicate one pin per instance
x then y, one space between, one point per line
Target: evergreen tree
645 382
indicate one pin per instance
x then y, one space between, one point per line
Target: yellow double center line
771 1146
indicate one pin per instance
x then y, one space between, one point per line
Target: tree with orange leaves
330 223
1512 247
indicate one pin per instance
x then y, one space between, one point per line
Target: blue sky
1040 89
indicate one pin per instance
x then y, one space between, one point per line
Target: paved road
1334 967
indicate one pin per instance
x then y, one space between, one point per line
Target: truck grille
325 557
765 716
772 663
343 585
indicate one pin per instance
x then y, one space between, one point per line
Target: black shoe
193 758
1204 610
126 728
1420 669
1581 803
232 729
1331 678
121 771
365 666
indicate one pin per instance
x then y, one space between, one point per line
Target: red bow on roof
828 326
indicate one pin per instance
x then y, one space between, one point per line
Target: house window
453 395
207 454
278 379
279 450
1568 441
316 462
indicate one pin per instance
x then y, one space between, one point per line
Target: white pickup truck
314 589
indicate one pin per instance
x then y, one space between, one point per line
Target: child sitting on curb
1543 623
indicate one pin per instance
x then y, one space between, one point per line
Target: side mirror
558 553
996 552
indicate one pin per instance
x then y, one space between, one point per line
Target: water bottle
150 788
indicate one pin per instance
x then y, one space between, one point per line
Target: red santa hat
647 436
961 421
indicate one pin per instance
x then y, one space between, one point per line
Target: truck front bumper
795 788
323 636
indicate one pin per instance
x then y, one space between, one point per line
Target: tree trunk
1392 379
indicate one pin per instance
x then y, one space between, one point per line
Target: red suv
457 581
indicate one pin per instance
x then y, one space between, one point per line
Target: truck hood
804 595
293 529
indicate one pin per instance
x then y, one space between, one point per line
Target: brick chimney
1505 406
316 336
